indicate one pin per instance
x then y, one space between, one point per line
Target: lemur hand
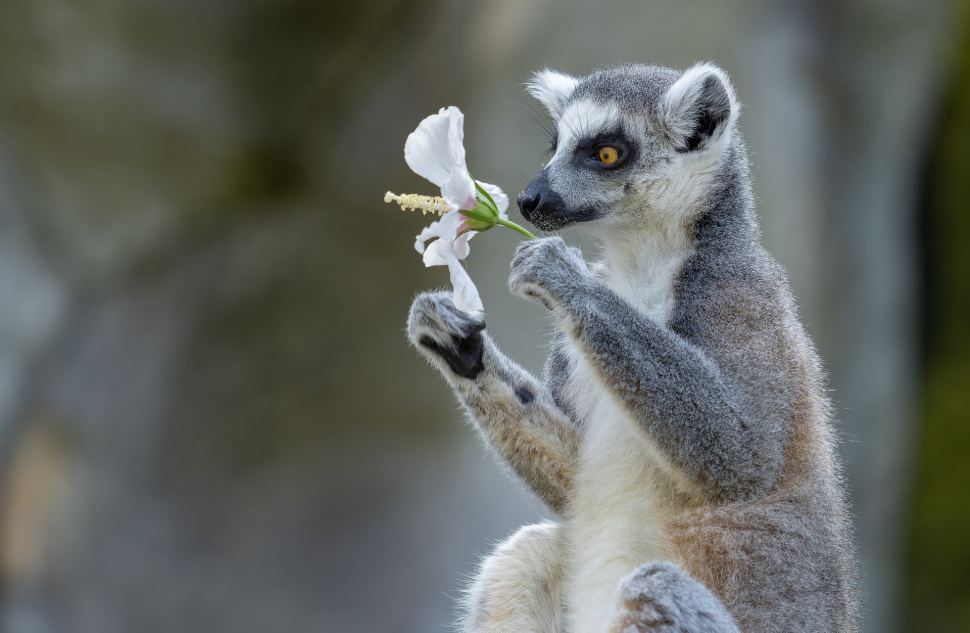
442 332
547 271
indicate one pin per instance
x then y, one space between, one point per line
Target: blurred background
210 419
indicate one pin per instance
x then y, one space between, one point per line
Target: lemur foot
443 332
660 598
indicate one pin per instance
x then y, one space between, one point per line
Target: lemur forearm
517 416
675 392
515 413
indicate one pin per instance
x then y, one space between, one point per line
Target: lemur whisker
518 173
539 119
539 125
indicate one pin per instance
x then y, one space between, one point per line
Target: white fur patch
623 490
642 265
583 119
682 96
518 587
552 89
678 191
688 86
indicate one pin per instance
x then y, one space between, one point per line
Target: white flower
435 151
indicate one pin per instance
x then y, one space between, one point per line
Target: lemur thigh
514 412
808 588
659 598
677 393
518 587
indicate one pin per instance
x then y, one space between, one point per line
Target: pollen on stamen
414 202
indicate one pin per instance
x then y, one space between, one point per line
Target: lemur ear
701 107
552 89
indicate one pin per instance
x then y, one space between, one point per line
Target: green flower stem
515 227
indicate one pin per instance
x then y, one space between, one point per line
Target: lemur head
631 144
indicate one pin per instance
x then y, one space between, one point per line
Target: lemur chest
624 488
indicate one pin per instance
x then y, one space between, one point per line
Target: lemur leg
518 587
514 412
659 598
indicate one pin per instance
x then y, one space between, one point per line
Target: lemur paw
442 332
547 271
659 597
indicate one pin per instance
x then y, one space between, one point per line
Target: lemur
683 436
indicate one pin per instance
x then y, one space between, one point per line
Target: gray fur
519 587
660 597
690 329
536 440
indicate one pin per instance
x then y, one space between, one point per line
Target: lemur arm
514 412
679 396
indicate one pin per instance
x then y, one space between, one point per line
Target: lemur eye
608 155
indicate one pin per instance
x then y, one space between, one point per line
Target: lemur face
631 144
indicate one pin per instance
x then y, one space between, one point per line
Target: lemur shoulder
682 435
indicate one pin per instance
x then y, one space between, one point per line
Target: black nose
528 204
542 205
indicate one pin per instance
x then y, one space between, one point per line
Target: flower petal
432 150
501 200
437 254
466 294
441 253
460 246
447 229
435 151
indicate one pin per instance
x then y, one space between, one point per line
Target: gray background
209 417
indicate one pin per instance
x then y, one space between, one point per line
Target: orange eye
608 155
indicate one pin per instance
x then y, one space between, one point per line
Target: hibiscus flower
436 151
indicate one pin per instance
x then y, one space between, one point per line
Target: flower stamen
427 204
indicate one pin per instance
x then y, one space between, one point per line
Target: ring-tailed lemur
683 435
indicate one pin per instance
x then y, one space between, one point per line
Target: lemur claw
440 330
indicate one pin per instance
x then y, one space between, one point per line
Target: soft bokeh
209 416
